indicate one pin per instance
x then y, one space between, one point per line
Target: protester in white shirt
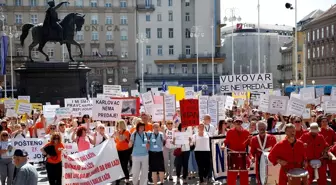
168 150
20 131
202 152
99 135
210 129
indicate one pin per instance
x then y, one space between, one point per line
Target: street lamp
301 83
196 32
313 82
232 18
212 56
142 38
92 86
290 6
291 83
283 88
204 88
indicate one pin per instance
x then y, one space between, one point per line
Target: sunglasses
23 125
297 121
52 128
56 138
5 135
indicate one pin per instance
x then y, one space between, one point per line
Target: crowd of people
148 150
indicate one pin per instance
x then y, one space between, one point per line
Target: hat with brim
314 126
20 153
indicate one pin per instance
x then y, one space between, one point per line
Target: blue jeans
192 164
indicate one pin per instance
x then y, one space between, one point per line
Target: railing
97 58
145 7
180 75
200 56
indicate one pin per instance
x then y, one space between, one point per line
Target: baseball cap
238 119
20 153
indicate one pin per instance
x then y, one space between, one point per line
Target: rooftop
330 12
276 27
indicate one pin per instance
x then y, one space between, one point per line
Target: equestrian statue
54 30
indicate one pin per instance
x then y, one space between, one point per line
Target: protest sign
37 106
114 90
157 112
11 113
24 108
79 106
277 104
169 106
263 102
106 109
147 100
296 107
182 138
27 98
254 82
229 102
189 112
10 103
189 93
130 106
99 165
203 106
213 110
330 107
63 112
32 146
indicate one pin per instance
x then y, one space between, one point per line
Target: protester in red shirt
237 139
328 134
289 153
299 131
315 148
261 143
4 125
332 167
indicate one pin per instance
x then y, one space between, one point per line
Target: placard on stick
189 112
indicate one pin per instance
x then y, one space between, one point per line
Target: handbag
177 152
50 150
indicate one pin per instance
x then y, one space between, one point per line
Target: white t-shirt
169 139
201 143
99 139
210 129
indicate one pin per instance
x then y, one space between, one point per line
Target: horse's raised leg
31 46
73 42
40 49
68 45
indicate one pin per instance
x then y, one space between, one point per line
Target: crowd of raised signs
156 150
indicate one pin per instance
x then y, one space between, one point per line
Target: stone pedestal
52 81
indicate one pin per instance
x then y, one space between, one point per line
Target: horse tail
25 32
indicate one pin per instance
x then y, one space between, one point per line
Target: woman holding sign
6 164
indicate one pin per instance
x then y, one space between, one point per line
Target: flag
98 54
3 54
176 118
164 86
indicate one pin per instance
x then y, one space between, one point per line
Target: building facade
245 44
170 55
320 50
107 37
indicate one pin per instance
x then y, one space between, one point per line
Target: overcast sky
273 11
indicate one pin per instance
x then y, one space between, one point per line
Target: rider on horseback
52 21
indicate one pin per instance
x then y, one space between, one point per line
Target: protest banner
24 108
79 106
114 90
254 82
32 146
189 112
106 109
99 165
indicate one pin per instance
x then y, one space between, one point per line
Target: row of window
184 68
78 3
109 71
327 50
170 16
170 33
108 36
321 32
170 50
324 69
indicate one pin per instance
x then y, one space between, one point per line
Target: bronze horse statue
71 23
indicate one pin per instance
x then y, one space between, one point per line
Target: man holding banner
261 143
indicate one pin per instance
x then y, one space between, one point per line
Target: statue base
52 81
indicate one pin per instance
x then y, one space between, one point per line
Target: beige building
107 37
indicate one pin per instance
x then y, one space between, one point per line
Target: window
94 51
159 17
187 50
185 68
35 53
322 33
109 52
124 52
160 69
322 51
93 3
187 16
108 20
50 52
79 3
148 33
187 33
313 35
18 2
308 35
148 18
170 16
124 70
194 68
299 59
318 34
215 69
79 36
123 35
19 52
159 33
33 19
313 52
308 53
123 4
171 68
159 50
187 3
123 19
18 19
108 4
148 50
332 30
171 32
204 68
148 3
171 50
109 35
94 19
94 36
149 68
327 31
318 51
170 2
158 3
33 2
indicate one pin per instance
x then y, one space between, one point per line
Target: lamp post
141 39
2 18
283 89
196 33
258 37
212 56
232 18
290 6
12 33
